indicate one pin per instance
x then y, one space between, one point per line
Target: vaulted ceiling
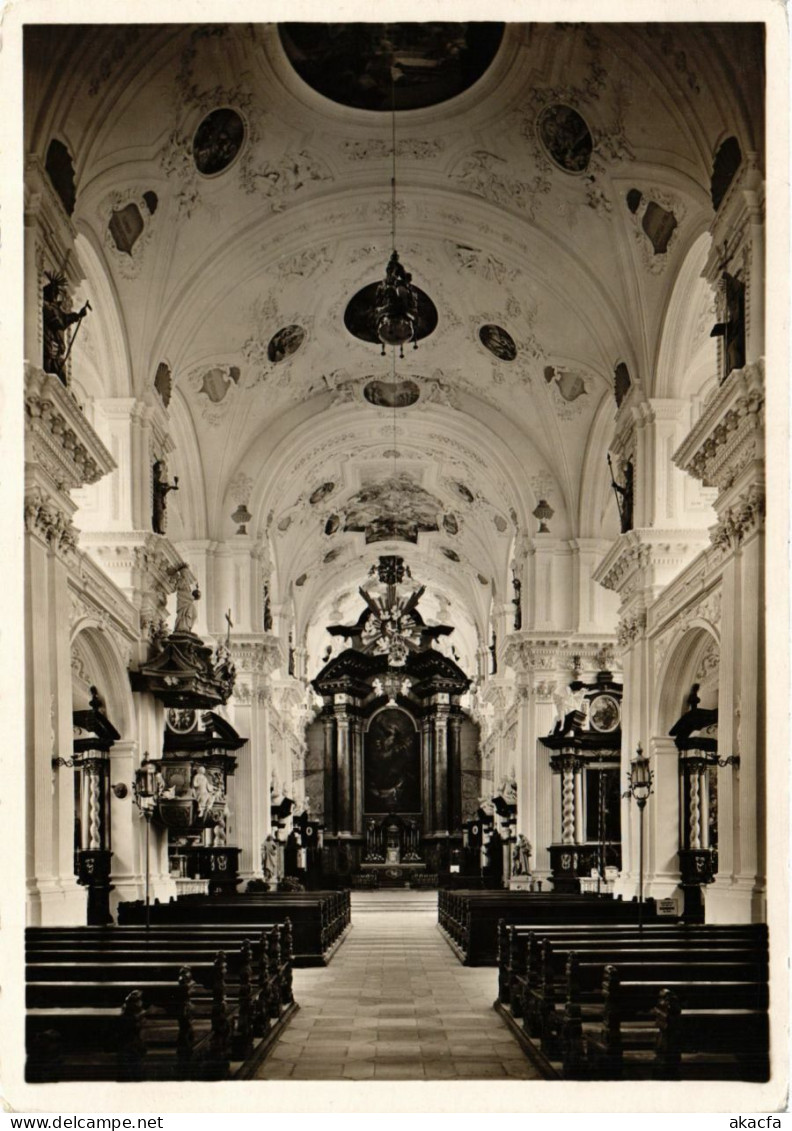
573 232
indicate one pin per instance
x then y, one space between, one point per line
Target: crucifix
230 626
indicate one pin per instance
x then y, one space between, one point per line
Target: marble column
330 797
356 753
440 774
455 773
344 767
427 782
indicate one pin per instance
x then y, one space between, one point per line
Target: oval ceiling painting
217 141
498 341
565 137
286 342
321 492
392 394
401 65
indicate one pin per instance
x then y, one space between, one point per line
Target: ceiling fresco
393 508
548 200
379 66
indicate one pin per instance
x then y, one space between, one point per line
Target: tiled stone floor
395 1003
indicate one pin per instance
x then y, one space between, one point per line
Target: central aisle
395 1003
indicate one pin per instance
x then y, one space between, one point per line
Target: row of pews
200 992
469 920
127 1003
319 920
661 1001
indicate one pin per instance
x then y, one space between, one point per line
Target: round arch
101 661
678 671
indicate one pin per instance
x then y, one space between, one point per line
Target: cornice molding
259 655
526 653
58 436
645 556
730 432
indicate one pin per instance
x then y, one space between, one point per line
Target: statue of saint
187 593
202 791
159 518
521 861
269 858
56 320
624 493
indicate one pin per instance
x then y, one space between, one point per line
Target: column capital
739 521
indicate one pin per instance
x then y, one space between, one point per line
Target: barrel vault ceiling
237 281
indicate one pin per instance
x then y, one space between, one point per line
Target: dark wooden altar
394 743
584 752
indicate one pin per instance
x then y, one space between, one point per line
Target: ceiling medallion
498 341
387 394
565 137
284 343
217 141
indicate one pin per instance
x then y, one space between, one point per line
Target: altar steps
394 899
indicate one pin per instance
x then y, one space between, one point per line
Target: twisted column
568 804
694 812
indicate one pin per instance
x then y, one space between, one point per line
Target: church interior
394 523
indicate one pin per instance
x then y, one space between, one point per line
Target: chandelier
394 311
396 307
396 301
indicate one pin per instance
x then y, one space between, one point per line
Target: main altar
398 754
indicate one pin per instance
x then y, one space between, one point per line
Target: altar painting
392 764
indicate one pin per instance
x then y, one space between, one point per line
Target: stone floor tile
439 1069
396 1004
520 1069
396 1071
317 1071
278 1069
358 1070
357 1051
479 1069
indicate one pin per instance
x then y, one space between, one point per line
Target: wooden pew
319 920
692 974
470 920
187 1027
663 1001
693 1031
518 951
89 1042
122 950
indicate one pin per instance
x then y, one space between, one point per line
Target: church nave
395 1004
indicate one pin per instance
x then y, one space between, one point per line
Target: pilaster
255 661
62 454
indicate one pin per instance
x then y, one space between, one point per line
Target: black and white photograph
391 694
